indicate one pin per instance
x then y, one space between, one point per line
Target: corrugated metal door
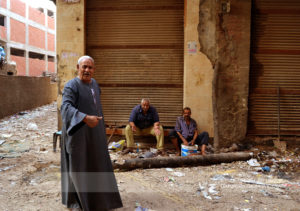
138 50
274 98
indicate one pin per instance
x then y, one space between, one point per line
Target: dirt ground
30 175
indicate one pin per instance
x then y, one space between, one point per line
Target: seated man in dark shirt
186 132
144 120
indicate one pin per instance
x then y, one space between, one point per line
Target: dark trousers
201 139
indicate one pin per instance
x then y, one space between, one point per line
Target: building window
2 20
50 58
17 52
34 55
50 13
40 9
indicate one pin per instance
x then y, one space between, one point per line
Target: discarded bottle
137 147
266 168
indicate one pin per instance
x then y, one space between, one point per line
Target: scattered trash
205 194
292 185
169 179
260 183
198 192
221 177
139 208
6 135
212 190
267 193
32 126
169 169
201 188
147 155
153 150
119 161
266 168
253 162
178 174
2 141
117 146
22 113
33 182
42 152
6 168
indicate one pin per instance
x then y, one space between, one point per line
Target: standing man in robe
88 181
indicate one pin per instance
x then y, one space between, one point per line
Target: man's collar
140 109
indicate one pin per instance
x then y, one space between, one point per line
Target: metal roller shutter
138 50
274 97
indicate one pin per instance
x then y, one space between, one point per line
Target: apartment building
28 35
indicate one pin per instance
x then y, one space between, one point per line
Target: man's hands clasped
92 121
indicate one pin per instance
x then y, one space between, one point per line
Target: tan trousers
146 131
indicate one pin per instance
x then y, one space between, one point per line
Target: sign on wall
192 47
71 1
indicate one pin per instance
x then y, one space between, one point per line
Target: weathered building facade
188 53
28 35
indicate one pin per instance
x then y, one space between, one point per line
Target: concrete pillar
198 71
70 42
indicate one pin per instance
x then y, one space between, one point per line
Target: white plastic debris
32 126
153 150
205 194
6 135
212 190
253 162
201 187
178 174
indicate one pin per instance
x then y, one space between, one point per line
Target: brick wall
36 37
51 67
51 43
25 93
3 32
17 31
18 7
21 64
3 3
36 16
36 67
51 23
